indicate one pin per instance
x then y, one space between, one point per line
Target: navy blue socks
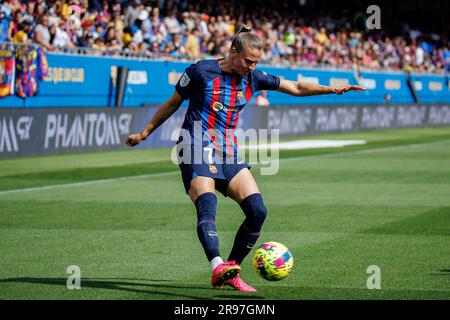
248 233
206 205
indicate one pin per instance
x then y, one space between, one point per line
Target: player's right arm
162 114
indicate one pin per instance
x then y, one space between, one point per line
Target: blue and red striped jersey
215 100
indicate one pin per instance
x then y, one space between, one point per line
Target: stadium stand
192 30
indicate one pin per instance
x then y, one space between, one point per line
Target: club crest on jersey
184 81
212 169
217 106
240 94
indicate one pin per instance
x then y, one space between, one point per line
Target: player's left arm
301 89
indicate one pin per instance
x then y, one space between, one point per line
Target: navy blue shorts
221 168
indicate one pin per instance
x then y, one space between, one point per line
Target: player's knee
206 205
260 214
255 211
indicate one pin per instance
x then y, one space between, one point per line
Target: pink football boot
238 284
224 271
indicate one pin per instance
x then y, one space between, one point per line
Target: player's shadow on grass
107 283
443 272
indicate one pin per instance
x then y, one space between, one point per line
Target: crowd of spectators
192 30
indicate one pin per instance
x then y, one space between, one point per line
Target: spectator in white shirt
172 24
42 34
62 39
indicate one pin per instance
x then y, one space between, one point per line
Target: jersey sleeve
189 82
265 81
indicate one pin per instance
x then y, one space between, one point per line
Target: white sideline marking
307 144
174 172
74 184
372 150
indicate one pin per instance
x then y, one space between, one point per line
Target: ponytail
246 39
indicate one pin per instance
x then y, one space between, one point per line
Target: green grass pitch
124 219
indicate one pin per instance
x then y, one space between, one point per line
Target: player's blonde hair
246 39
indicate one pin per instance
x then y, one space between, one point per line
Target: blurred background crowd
192 30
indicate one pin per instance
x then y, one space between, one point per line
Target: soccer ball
273 261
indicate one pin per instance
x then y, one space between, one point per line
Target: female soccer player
217 91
